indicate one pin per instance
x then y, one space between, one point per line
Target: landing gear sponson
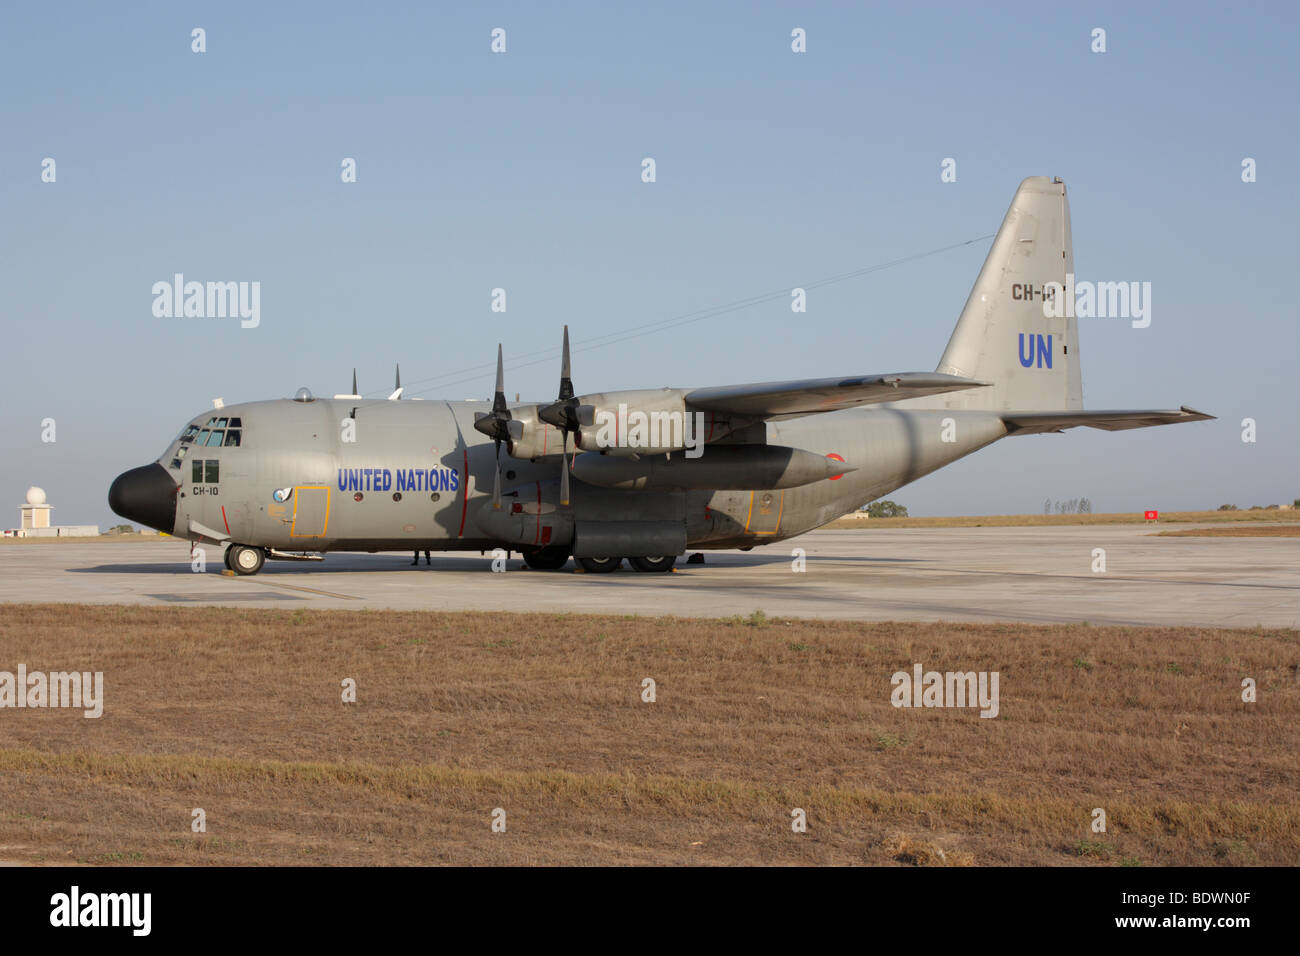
246 560
552 559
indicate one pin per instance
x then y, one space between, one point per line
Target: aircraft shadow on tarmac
370 564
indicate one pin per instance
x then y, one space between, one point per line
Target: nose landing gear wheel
654 564
245 560
546 559
599 565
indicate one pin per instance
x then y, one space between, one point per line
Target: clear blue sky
522 171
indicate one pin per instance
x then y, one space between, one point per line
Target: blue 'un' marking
1040 351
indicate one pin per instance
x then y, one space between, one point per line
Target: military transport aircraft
640 475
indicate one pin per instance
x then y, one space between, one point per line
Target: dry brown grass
238 711
1239 531
1026 521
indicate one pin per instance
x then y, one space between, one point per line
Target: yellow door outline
749 518
293 528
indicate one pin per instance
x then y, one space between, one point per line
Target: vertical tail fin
1002 335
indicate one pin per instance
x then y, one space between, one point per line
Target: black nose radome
146 495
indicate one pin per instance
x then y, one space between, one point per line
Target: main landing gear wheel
653 565
600 565
245 560
546 559
227 557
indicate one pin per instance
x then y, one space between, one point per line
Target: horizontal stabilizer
776 400
1034 423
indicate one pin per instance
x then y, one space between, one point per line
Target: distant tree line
1294 504
885 509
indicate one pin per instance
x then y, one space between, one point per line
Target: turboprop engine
623 424
643 422
532 438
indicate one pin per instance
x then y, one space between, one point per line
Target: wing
1033 423
777 400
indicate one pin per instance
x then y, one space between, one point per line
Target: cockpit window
217 433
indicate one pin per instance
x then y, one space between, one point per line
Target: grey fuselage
416 475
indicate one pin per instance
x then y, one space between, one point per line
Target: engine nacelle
640 422
721 468
532 438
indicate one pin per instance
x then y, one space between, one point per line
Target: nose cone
146 495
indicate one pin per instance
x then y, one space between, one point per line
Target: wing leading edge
1035 423
777 400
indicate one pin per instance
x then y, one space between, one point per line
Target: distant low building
35 520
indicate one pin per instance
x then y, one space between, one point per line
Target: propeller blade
496 480
499 396
564 472
496 423
566 383
562 412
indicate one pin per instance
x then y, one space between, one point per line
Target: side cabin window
205 472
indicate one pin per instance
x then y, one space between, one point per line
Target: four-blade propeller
563 414
496 425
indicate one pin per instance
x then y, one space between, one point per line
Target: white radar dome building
34 520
